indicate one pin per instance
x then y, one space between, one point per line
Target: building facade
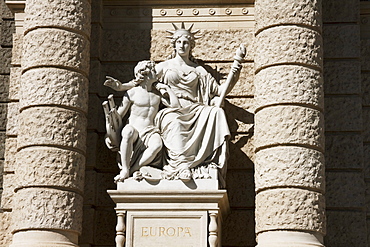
299 161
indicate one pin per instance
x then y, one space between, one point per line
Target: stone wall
7 29
345 119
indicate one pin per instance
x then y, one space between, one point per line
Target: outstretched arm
119 86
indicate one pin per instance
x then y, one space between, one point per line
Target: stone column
289 124
52 123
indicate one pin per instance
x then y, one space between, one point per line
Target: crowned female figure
195 134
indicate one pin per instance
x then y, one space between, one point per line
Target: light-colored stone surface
340 11
55 47
289 84
276 210
52 126
51 208
2 143
341 41
289 238
5 228
14 85
135 45
271 13
289 167
288 44
344 151
10 152
12 118
7 197
17 48
71 14
54 86
47 166
350 184
344 228
342 76
343 113
289 125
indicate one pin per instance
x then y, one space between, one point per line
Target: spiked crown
183 31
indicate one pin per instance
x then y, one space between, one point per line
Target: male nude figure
140 141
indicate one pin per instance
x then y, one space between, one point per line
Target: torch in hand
235 68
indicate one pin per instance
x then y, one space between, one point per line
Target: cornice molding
16 6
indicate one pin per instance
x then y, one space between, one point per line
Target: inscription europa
165 231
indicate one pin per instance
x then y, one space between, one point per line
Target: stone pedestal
169 213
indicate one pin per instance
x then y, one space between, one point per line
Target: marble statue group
170 124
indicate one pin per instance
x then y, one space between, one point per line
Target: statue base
169 213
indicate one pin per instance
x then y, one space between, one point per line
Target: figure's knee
128 132
155 144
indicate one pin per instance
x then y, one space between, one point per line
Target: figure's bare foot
185 175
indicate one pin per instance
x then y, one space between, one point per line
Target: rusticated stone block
340 10
271 13
106 220
289 167
96 117
126 45
239 113
4 87
344 228
7 198
12 118
242 151
14 84
289 125
343 113
288 44
366 161
55 47
365 89
48 166
73 14
10 154
5 227
240 187
350 184
90 187
1 176
17 50
47 208
7 29
6 56
2 144
215 45
53 86
366 121
290 209
3 115
238 229
342 77
341 41
52 126
365 54
5 11
343 151
289 84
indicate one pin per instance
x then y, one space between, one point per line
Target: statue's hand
112 83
